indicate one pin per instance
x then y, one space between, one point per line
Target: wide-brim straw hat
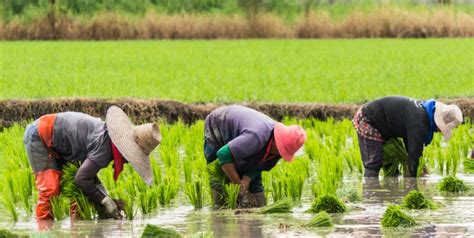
447 117
135 143
288 140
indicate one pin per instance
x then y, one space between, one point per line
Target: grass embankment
333 71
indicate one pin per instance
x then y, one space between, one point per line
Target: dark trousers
371 152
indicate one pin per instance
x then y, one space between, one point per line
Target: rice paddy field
335 71
180 195
322 193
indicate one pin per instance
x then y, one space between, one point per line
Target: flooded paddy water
454 218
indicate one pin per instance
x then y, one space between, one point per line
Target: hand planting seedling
452 184
328 203
322 219
394 217
417 200
157 231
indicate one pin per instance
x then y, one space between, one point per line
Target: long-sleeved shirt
80 137
247 133
401 117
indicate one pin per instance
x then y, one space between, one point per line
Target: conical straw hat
135 143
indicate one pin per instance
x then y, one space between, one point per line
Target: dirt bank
12 111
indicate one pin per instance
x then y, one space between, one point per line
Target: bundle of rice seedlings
7 234
417 200
280 206
328 203
394 217
85 208
395 157
217 178
452 184
322 219
156 231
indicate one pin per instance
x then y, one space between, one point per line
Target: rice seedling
395 157
468 164
8 202
7 234
59 207
394 217
194 192
85 208
149 200
280 206
452 184
231 195
328 203
157 231
167 191
417 200
322 219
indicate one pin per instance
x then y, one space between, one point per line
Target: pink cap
288 140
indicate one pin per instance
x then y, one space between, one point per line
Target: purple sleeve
245 145
86 178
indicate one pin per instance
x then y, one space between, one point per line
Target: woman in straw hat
245 142
412 120
55 139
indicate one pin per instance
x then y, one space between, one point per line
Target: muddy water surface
454 218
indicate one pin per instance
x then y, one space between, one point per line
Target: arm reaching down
86 180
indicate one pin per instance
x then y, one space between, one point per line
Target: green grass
249 70
322 219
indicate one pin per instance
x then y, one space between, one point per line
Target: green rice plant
231 195
329 203
322 219
417 200
157 231
468 164
452 184
149 200
168 190
24 185
194 192
129 208
280 206
8 202
59 207
394 217
7 234
85 208
395 157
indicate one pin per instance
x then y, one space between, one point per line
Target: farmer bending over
55 139
412 120
246 142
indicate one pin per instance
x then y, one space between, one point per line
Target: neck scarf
118 161
430 108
